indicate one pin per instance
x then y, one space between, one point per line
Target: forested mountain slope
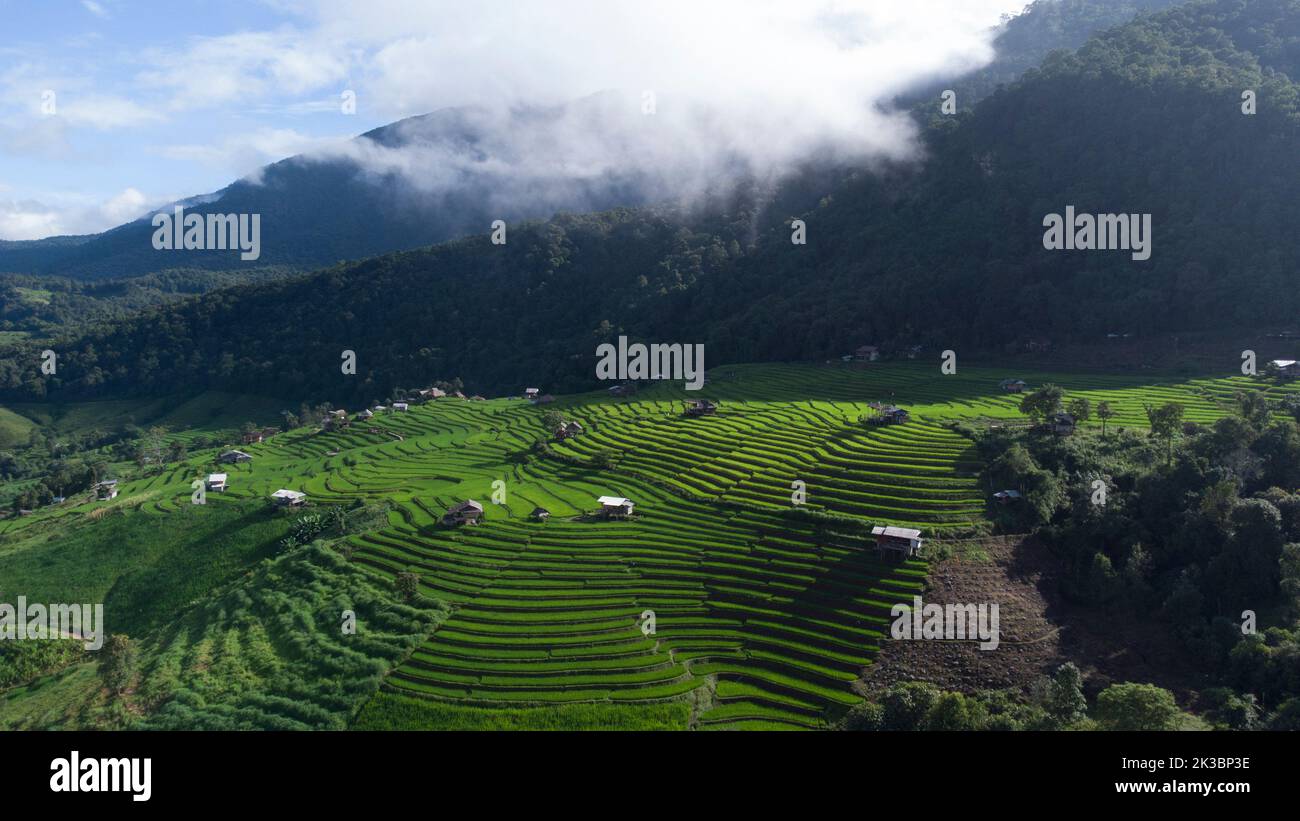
1144 119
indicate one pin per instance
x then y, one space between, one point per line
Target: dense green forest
1145 118
1194 526
1027 38
43 307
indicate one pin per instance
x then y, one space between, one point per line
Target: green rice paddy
764 615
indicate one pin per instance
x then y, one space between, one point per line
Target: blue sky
124 135
155 101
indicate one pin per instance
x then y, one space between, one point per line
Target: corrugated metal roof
896 532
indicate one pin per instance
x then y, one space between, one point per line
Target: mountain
1144 119
413 183
1026 39
448 174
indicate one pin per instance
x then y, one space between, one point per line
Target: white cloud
247 153
61 214
95 9
244 68
105 112
769 83
27 220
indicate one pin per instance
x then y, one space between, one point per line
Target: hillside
412 183
1027 38
449 173
766 615
429 178
948 255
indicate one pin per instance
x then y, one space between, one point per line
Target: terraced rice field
764 614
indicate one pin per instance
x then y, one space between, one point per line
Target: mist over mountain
518 133
415 182
1145 119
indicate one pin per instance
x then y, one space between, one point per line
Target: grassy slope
14 428
211 411
143 573
764 616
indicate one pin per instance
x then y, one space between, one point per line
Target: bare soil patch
1040 630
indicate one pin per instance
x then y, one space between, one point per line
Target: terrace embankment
1040 629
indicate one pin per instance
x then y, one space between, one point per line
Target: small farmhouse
701 407
232 457
467 512
615 507
623 389
1288 368
897 542
401 407
541 514
216 482
288 498
568 430
106 490
1012 385
887 414
1006 497
867 353
365 414
532 393
1062 424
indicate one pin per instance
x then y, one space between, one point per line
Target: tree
154 444
118 667
954 711
1042 403
552 419
1130 706
1081 409
1166 422
1062 696
1105 413
407 584
865 717
1290 405
1228 709
1254 408
907 704
1286 716
177 451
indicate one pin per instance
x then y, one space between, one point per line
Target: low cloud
247 154
71 214
687 93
